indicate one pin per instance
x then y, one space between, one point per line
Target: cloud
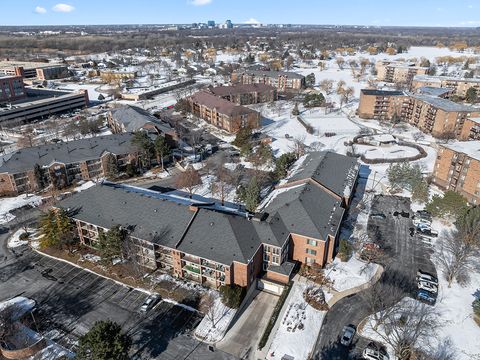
252 21
63 8
40 10
469 23
200 2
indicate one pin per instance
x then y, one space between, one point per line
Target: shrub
476 307
315 297
232 296
345 250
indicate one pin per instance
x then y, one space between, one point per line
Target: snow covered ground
385 152
213 327
350 274
11 203
296 334
14 241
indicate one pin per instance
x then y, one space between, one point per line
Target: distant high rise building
229 24
211 23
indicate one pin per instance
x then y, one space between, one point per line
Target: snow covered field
213 327
385 152
296 334
11 203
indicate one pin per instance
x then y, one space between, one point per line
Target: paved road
70 300
242 339
406 255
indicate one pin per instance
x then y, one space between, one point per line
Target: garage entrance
270 286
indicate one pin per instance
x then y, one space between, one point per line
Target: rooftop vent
260 216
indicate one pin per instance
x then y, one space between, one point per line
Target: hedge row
274 317
307 127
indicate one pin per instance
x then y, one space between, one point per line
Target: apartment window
276 259
311 252
267 248
276 251
309 260
311 242
266 257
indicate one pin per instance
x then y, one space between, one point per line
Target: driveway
242 339
405 255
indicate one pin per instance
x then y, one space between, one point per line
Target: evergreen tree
295 111
161 149
310 80
250 195
282 164
111 169
144 144
111 243
56 229
450 204
104 341
471 95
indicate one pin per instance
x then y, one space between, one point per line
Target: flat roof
27 64
375 92
444 104
240 89
431 78
469 148
271 73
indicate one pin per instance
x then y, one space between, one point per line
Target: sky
343 12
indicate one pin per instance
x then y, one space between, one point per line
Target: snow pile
214 331
14 241
91 258
298 328
21 304
86 185
9 204
350 274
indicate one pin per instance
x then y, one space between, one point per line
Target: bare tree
223 181
27 138
208 304
347 94
340 62
456 256
327 86
188 180
298 147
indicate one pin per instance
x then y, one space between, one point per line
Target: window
309 260
276 250
276 259
266 257
311 252
267 248
311 242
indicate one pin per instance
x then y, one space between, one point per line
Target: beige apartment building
398 72
282 80
431 114
459 86
457 168
246 94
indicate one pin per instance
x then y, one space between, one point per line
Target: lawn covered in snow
350 274
9 204
299 326
213 328
385 152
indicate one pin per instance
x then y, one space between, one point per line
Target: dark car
426 297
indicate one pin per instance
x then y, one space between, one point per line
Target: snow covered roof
444 104
438 79
469 148
134 118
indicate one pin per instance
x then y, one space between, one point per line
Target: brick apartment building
281 80
34 70
62 164
11 88
431 114
457 168
246 94
398 72
222 113
52 72
202 242
459 86
128 119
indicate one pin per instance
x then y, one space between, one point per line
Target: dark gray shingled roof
160 221
334 171
135 118
291 75
221 237
305 210
285 269
66 152
221 105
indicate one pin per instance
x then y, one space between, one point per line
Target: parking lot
70 300
405 254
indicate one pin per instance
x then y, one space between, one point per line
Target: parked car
427 277
426 297
423 226
150 302
379 216
348 333
418 221
423 214
427 232
374 352
428 286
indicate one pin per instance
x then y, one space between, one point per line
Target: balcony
208 264
191 259
192 277
209 273
191 269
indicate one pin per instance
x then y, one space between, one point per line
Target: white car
347 335
149 302
426 285
419 221
373 352
427 277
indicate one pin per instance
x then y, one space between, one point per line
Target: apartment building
398 72
109 75
40 103
281 80
128 119
201 241
459 86
246 94
439 117
431 114
380 104
33 70
62 164
11 88
222 113
457 168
